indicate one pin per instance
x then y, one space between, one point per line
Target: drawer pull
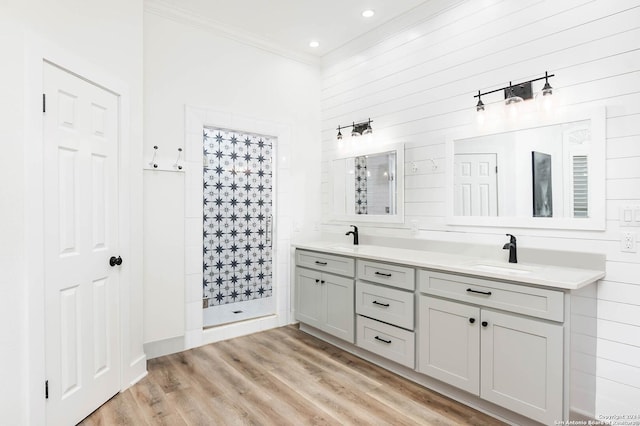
486 293
321 263
382 340
375 302
383 274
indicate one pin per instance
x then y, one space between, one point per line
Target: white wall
189 64
418 86
109 37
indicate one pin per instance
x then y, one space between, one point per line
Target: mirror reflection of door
475 185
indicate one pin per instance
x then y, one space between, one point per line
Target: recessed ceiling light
368 13
314 43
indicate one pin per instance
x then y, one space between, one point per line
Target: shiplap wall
416 78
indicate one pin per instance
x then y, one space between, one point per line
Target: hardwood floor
277 377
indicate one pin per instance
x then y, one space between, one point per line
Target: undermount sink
504 269
346 248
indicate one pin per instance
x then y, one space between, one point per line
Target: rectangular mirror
368 187
547 175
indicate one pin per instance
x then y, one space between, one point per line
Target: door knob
115 261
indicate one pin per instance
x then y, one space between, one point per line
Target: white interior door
81 235
476 185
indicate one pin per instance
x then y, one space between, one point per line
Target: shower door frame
255 308
196 118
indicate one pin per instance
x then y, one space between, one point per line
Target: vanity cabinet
325 300
385 308
509 359
500 339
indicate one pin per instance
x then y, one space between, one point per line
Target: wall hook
153 159
177 164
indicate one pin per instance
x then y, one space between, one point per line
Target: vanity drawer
384 273
386 304
326 262
386 340
522 299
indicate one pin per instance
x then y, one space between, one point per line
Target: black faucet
354 233
511 246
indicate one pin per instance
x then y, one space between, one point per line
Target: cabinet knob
322 282
317 281
484 323
472 320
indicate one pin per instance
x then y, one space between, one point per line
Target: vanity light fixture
547 90
510 96
516 93
362 128
480 104
354 132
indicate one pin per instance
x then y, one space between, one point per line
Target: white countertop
527 273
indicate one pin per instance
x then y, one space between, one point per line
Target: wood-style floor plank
277 377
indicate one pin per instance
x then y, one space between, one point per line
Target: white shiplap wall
416 77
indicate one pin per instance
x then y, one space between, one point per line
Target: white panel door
449 342
81 235
475 185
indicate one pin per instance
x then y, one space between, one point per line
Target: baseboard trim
164 347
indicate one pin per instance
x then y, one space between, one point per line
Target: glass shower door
237 234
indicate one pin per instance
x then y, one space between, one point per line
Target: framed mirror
368 187
549 174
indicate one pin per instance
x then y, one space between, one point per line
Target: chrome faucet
354 233
512 247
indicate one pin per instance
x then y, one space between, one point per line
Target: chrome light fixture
357 129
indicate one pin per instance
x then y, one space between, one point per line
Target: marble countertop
536 274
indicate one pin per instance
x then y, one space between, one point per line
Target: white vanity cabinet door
308 297
522 365
449 342
338 305
326 301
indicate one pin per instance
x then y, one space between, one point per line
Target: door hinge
46 389
496 169
44 102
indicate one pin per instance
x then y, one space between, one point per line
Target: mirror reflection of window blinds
580 181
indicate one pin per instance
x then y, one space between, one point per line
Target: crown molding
170 11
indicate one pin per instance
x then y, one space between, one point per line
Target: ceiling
292 24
